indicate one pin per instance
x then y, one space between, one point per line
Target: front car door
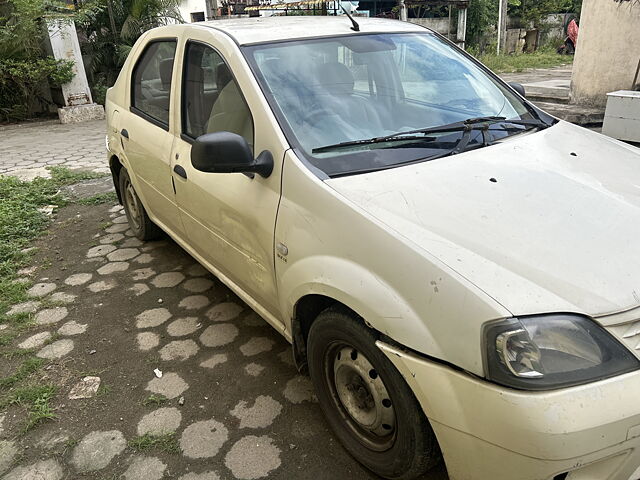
145 130
229 218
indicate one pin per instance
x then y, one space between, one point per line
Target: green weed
165 443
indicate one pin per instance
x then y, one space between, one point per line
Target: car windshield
346 102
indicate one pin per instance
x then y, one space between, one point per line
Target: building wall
608 50
187 7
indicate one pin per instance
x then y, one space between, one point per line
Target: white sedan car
456 269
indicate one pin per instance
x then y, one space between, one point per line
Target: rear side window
211 99
151 87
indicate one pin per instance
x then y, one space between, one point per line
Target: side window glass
211 100
151 89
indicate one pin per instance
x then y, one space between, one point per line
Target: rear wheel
369 406
140 223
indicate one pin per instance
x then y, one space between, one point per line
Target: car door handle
124 133
180 171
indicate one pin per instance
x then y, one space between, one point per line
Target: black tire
410 448
139 222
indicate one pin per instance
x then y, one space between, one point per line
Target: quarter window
211 100
151 89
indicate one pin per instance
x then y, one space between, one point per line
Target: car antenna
356 27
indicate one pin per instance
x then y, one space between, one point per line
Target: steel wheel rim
132 206
361 397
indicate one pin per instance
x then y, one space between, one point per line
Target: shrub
22 81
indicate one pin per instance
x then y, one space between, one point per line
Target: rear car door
145 130
228 217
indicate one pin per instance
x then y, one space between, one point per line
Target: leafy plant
21 84
111 28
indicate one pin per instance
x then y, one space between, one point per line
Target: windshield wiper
466 126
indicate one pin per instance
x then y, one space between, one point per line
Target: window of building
197 17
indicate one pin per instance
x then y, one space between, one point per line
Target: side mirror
226 152
518 88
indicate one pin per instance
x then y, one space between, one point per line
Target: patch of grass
21 222
99 199
165 443
103 390
27 367
543 58
35 399
7 338
17 353
154 400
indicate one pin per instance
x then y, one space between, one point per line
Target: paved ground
27 149
108 310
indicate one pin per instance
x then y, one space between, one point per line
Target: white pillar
79 105
461 35
403 10
65 46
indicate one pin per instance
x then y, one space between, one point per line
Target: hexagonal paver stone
57 349
113 267
123 254
111 238
63 297
34 341
203 439
223 312
120 219
132 242
117 228
219 335
96 450
51 315
41 289
147 468
197 270
179 350
147 340
256 345
42 470
78 279
25 307
170 385
299 389
143 273
253 320
139 288
194 302
167 279
252 457
144 258
262 414
183 326
197 285
100 251
8 451
217 359
103 285
72 328
161 421
116 208
253 369
152 318
200 476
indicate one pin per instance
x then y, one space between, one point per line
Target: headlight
552 351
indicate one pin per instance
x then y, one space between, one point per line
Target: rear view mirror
518 88
226 152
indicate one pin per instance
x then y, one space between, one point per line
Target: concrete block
81 113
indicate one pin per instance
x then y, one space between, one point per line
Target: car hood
543 222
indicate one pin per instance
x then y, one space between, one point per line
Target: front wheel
141 225
367 403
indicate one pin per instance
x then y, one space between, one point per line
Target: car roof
271 29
